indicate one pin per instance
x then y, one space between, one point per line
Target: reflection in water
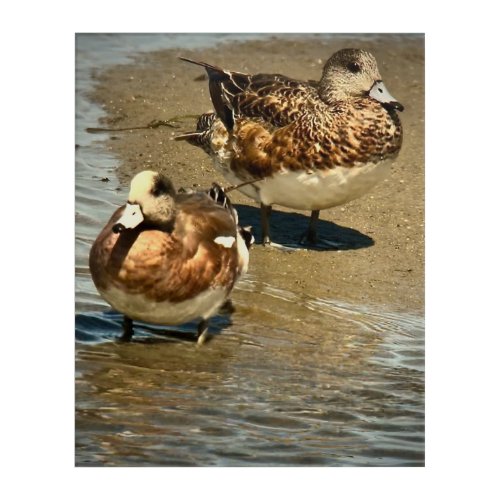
283 394
289 379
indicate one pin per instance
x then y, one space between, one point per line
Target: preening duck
167 257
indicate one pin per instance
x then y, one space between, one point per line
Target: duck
168 257
305 145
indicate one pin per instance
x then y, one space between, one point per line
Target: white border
37 249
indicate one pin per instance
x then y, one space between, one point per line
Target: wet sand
383 262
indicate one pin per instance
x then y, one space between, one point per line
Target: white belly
138 307
318 190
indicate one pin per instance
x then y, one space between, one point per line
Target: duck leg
310 237
128 329
265 215
227 307
202 332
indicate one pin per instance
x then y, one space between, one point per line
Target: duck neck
330 93
165 226
160 214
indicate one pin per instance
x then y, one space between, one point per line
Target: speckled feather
278 123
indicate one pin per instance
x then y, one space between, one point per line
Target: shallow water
288 379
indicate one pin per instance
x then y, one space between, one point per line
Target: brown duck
168 257
305 145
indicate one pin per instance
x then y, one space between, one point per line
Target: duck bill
131 218
380 93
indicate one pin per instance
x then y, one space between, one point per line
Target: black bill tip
393 105
118 228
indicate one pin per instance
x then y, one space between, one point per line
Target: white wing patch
225 241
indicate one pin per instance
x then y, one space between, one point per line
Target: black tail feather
205 122
211 69
217 194
201 137
217 76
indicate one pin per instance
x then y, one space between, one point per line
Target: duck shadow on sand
95 327
288 227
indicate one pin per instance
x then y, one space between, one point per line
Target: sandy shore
384 260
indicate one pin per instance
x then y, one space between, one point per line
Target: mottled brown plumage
268 126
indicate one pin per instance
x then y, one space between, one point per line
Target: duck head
351 73
150 200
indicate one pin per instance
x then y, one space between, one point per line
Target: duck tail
194 138
202 135
222 86
217 193
211 69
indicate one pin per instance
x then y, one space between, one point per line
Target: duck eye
158 188
354 67
161 187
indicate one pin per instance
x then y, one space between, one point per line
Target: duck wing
273 98
201 220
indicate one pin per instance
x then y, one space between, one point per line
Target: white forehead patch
141 184
225 241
